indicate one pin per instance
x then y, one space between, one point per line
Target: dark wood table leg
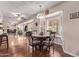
53 44
53 49
7 42
40 48
0 40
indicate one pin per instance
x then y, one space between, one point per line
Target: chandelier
40 14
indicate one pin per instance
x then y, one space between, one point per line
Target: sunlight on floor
55 54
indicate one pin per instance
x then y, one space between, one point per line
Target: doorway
55 24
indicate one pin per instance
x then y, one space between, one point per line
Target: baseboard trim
70 54
74 55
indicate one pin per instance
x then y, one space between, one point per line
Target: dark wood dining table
41 38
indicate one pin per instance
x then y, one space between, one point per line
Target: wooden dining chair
49 41
3 41
53 37
46 44
32 41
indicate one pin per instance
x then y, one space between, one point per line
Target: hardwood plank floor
19 47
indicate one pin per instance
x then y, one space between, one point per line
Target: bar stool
2 41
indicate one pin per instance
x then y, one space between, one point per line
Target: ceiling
27 8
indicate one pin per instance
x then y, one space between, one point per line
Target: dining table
41 39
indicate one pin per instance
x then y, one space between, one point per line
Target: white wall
1 17
1 21
70 26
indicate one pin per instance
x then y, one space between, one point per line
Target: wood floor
18 47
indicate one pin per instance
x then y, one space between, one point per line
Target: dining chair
32 41
46 44
49 41
53 37
3 41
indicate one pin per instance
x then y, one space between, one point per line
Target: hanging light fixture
39 15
